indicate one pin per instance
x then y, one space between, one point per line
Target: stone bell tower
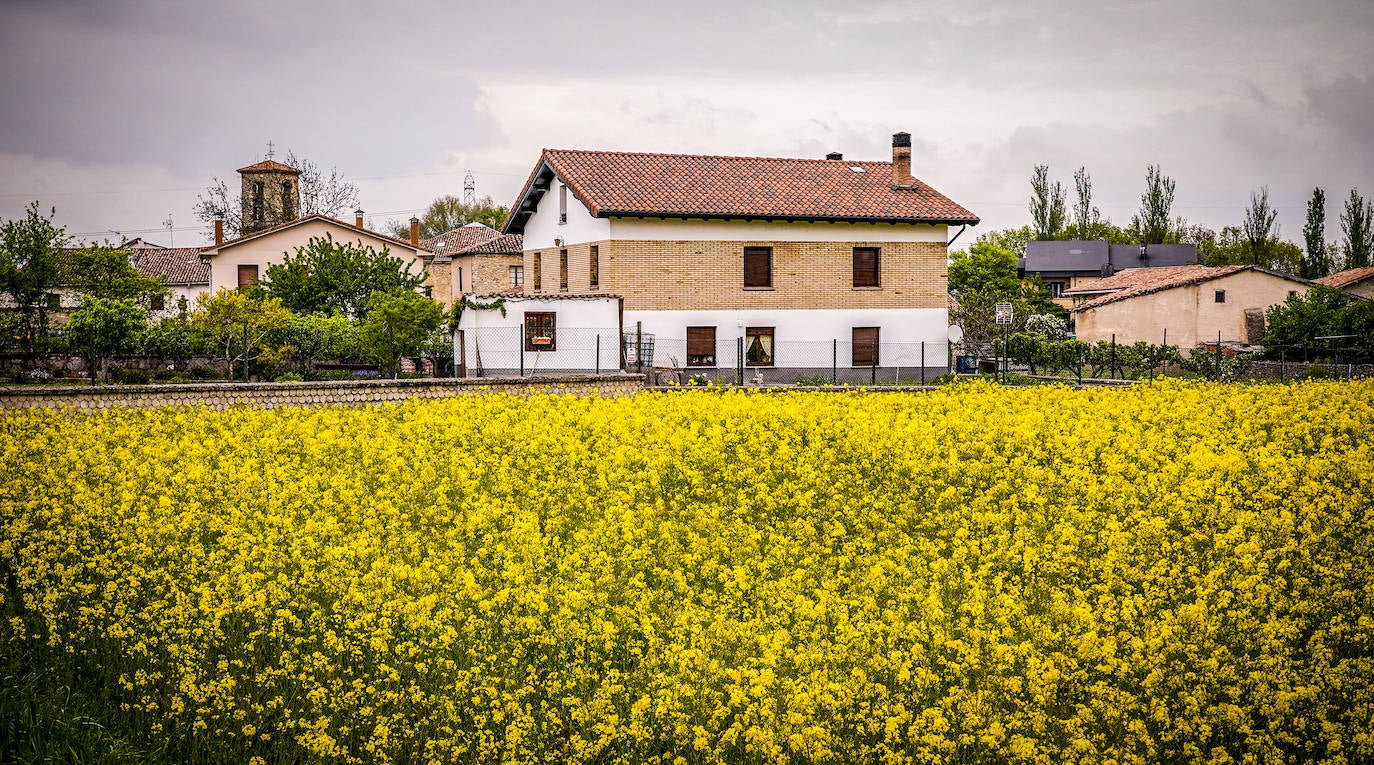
271 195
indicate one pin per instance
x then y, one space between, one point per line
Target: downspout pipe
957 235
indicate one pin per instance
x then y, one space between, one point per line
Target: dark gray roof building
1098 258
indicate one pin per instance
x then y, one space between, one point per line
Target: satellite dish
955 333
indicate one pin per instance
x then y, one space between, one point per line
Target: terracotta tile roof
519 292
456 240
629 184
181 266
1134 282
269 166
506 244
1347 277
213 250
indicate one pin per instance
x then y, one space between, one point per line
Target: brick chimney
901 160
415 231
834 155
219 231
358 217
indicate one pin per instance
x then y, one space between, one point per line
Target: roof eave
972 221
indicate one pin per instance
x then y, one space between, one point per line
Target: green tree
1356 224
105 272
173 337
1087 220
30 250
449 212
399 324
1293 326
102 327
984 267
1153 224
1314 261
1029 348
1259 229
1047 209
310 338
325 277
239 323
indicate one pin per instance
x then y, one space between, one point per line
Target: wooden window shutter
866 267
864 346
701 346
594 267
248 275
758 266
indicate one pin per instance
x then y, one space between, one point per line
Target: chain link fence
514 351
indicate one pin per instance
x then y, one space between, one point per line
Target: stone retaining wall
272 395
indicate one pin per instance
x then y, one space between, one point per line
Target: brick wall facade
439 278
709 275
485 274
272 395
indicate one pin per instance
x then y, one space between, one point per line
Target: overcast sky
120 113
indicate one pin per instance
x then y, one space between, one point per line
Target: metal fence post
598 353
1114 356
873 367
923 363
1218 354
835 361
639 347
520 348
739 361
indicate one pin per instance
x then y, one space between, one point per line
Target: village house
474 259
1181 305
270 204
1072 265
780 265
1357 281
181 268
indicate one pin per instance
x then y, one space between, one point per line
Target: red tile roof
629 184
1134 282
269 166
1346 278
181 266
213 250
456 240
508 244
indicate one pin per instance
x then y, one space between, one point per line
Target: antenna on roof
168 224
469 190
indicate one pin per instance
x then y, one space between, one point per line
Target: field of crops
1174 572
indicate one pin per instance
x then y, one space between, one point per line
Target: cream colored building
244 261
1182 305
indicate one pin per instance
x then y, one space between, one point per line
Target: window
562 203
287 213
156 303
248 276
460 280
429 291
1292 293
54 301
701 346
1220 296
540 331
259 214
866 267
563 270
594 268
864 347
538 272
517 276
758 267
1056 289
758 346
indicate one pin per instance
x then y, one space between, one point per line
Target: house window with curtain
517 276
701 346
758 346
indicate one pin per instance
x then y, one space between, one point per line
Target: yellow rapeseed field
1170 572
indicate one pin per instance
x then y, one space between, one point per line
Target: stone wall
272 395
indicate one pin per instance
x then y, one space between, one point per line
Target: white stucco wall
803 338
579 323
657 229
542 228
270 249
